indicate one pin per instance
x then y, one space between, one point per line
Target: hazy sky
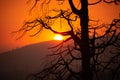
13 14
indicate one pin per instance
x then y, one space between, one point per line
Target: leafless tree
90 53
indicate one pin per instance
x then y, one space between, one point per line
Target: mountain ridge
17 64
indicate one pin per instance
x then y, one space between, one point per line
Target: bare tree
90 53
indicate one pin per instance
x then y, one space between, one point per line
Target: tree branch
74 10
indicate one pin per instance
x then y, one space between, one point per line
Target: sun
58 37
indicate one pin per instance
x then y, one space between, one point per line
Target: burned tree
88 50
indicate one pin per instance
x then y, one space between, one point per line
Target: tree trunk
84 43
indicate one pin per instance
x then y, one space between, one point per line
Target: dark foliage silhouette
90 54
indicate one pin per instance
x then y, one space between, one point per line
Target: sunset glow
15 12
58 37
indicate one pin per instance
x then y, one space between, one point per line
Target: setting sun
58 37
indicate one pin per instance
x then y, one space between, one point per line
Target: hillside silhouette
19 63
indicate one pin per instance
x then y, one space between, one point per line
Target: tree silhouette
90 54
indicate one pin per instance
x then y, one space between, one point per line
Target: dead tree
85 57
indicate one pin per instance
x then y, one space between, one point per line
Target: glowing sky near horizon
13 13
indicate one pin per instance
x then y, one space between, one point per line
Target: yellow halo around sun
58 37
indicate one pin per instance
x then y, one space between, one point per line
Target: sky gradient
13 14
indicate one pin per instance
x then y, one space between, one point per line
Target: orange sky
13 13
